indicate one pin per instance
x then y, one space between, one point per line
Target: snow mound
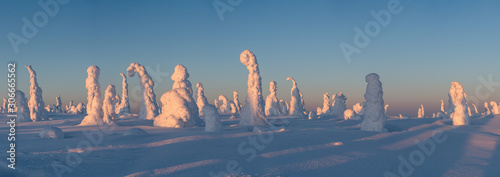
52 132
135 132
374 118
212 119
313 115
349 114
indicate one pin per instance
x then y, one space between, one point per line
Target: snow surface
374 114
320 147
253 111
149 106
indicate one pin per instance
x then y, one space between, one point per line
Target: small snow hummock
458 101
94 105
374 118
124 108
272 104
404 116
237 102
253 112
36 104
201 100
338 105
149 107
178 106
23 111
297 101
108 106
135 132
52 132
349 114
313 115
421 111
212 119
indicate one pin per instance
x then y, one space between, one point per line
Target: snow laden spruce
108 106
94 106
253 110
23 111
36 104
178 106
338 105
458 104
236 101
296 101
272 104
124 107
201 100
149 107
374 114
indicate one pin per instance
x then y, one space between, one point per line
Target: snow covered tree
442 107
36 104
458 101
284 107
297 101
385 108
179 108
374 118
349 114
253 111
94 105
124 108
58 104
327 108
421 111
23 111
237 102
272 104
475 109
338 105
4 106
108 105
494 108
487 110
227 106
149 107
201 101
212 119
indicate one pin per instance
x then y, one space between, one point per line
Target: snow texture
124 108
338 105
297 101
149 106
374 118
94 105
178 106
253 112
109 103
272 103
36 104
201 101
458 101
212 119
135 132
52 132
23 111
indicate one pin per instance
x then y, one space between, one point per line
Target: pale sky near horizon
417 54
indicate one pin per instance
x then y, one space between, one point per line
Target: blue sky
417 55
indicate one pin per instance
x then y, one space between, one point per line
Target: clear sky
417 54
